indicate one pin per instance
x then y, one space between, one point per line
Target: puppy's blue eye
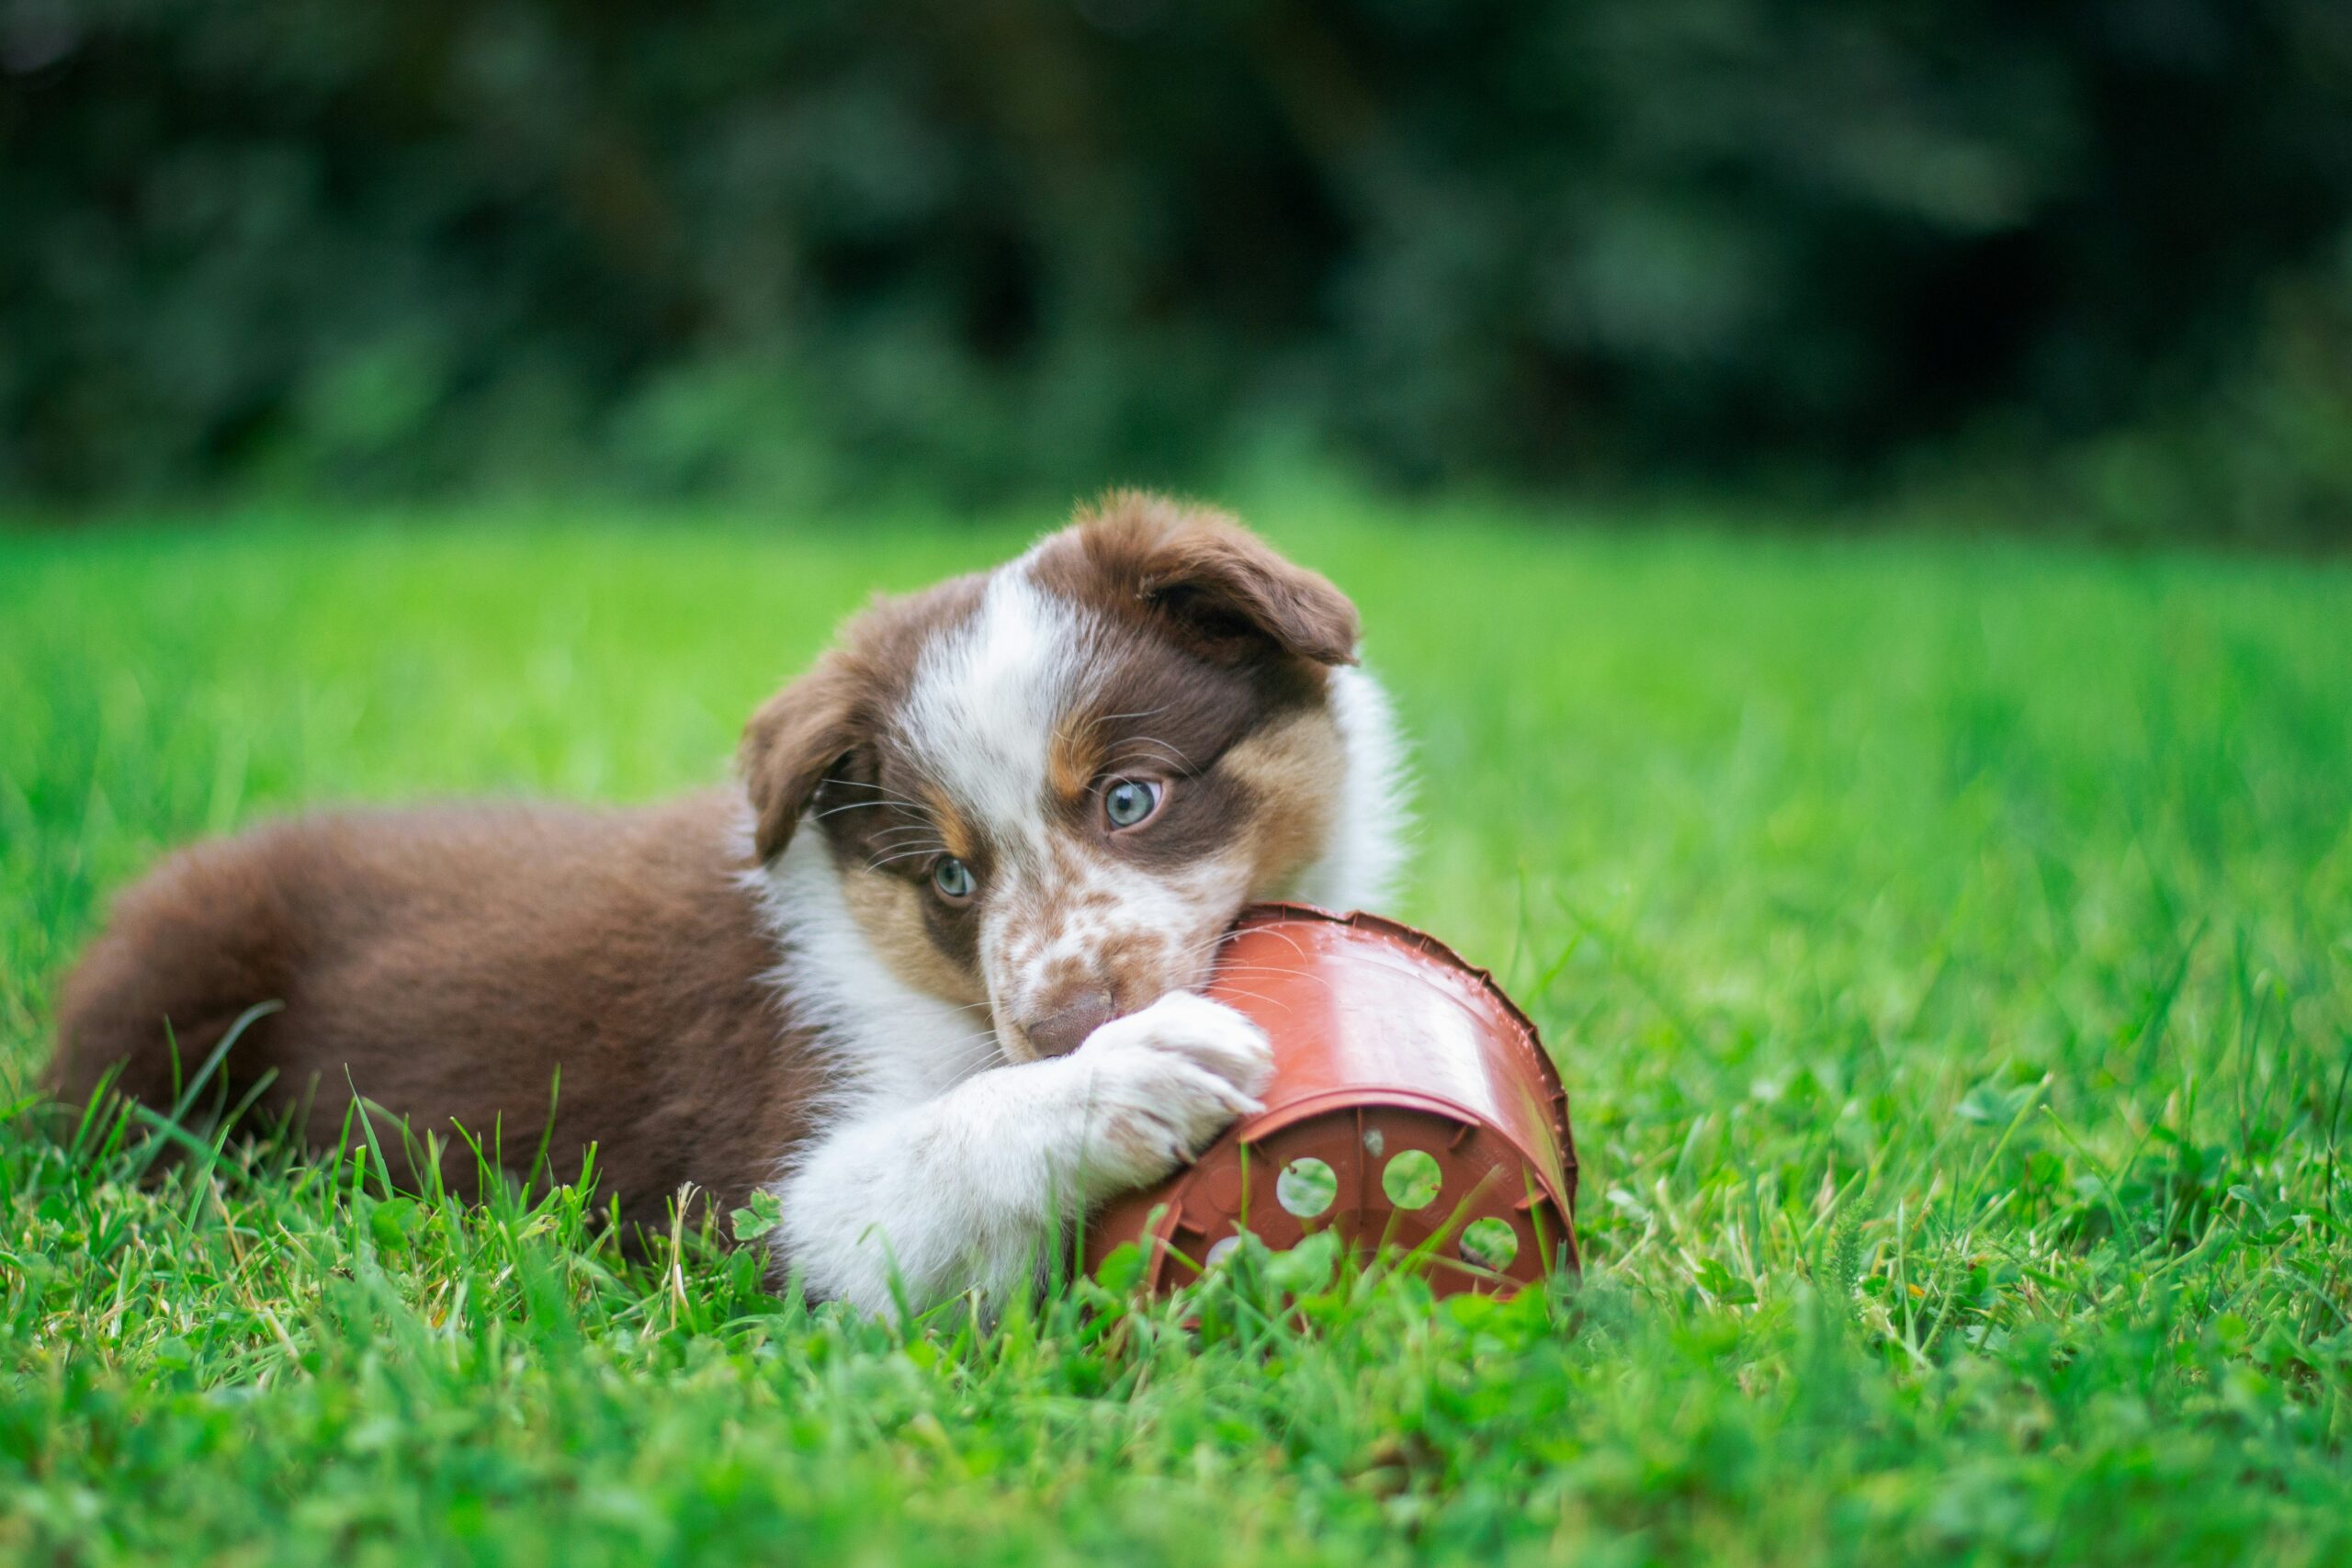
954 879
1130 801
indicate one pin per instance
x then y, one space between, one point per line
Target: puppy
930 974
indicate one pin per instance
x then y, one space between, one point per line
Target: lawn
1947 947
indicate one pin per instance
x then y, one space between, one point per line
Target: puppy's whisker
1145 746
903 855
1168 746
856 806
1208 944
1099 721
1146 762
1255 996
1102 718
1226 972
1294 941
886 797
971 1050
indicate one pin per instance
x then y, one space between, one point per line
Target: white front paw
1160 1084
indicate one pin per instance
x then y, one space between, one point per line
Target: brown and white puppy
930 975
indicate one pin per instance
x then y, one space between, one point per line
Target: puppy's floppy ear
1219 581
792 742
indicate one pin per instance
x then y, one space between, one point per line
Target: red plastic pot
1412 1107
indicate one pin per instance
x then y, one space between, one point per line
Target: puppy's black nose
1064 1029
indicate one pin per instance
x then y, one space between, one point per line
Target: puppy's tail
191 948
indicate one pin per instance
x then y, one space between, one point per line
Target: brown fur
1202 578
448 960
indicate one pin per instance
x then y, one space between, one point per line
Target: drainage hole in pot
1412 1179
1490 1243
1305 1187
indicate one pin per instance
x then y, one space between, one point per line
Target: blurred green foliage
991 244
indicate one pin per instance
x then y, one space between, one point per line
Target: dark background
2102 250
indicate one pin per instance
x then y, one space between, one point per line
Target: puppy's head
1047 789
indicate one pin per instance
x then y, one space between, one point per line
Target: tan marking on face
1075 757
1294 770
953 831
891 913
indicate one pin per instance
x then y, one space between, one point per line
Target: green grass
1947 947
